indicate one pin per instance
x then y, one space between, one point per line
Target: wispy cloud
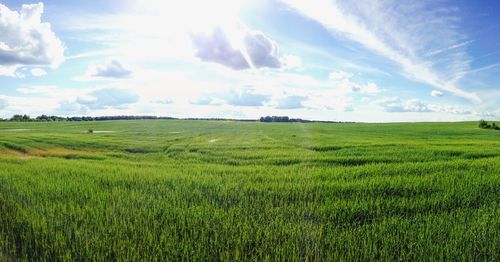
449 48
477 70
402 33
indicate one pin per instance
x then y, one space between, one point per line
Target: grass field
201 190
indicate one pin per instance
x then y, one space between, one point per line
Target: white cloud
27 105
204 100
245 97
370 88
451 110
436 93
215 47
349 108
395 104
26 41
490 115
110 69
165 101
3 103
254 51
291 102
448 48
71 108
262 51
55 93
292 62
343 81
38 89
108 98
340 75
394 31
38 72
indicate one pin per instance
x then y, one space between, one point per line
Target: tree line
286 119
47 118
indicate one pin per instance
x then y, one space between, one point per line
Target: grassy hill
211 190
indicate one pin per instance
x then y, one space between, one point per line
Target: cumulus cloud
258 50
215 47
235 97
38 72
263 51
451 109
436 93
343 81
291 102
108 98
395 104
26 41
245 97
71 108
110 69
493 115
204 100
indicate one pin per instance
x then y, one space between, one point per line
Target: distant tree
42 118
279 119
17 118
483 124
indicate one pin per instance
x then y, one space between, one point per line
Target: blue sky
371 61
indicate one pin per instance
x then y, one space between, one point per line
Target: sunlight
193 15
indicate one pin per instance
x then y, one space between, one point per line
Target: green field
216 190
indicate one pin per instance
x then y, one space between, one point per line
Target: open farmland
216 190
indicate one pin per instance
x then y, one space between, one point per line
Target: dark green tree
483 124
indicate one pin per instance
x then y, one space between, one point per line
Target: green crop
216 190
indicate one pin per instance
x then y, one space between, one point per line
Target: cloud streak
398 35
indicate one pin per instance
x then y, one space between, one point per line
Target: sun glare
194 15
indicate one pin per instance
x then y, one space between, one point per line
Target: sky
364 60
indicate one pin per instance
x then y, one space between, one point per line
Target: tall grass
182 190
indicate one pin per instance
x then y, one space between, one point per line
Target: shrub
483 124
90 131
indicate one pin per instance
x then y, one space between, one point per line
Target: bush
483 124
90 131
